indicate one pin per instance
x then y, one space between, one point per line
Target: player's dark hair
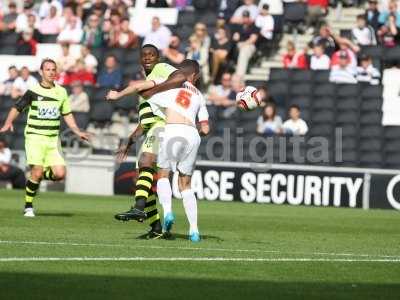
47 60
189 66
151 46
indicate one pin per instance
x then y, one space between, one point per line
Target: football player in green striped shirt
150 124
46 103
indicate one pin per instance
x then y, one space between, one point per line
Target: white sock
164 193
190 205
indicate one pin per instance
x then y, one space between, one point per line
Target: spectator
325 38
159 35
275 6
319 60
78 74
6 85
79 99
293 59
26 45
9 172
89 59
366 72
98 7
343 72
119 7
372 15
71 33
295 125
220 48
51 25
92 34
173 53
200 32
33 26
157 3
45 8
124 37
389 35
316 11
22 23
22 83
265 22
249 7
69 17
226 8
246 38
384 16
199 54
111 75
269 123
363 34
350 49
8 23
66 62
222 95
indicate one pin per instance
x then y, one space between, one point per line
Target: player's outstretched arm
8 125
175 80
122 152
136 87
71 123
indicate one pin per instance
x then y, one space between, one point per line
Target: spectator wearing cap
343 72
275 6
294 125
366 72
384 16
92 34
111 75
245 37
319 60
293 59
316 11
325 38
22 83
249 7
51 24
8 23
350 49
173 53
8 172
159 35
79 99
363 34
372 14
221 46
26 44
265 22
6 85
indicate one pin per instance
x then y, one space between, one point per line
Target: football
247 99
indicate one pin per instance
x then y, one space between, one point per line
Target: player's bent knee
36 174
59 175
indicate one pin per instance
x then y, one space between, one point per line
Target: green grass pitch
248 251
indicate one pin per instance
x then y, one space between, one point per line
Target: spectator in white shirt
295 125
159 35
44 9
269 123
265 22
9 172
79 99
21 22
22 83
249 6
222 94
275 6
89 59
319 60
343 72
6 85
363 34
71 33
366 72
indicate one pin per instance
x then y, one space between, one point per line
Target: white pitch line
193 259
193 248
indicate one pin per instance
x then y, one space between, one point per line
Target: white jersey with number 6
187 101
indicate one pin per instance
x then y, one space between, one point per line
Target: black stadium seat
371 144
371 104
371 159
127 103
391 54
187 18
8 50
373 51
279 91
301 101
320 76
82 119
371 118
301 75
347 117
324 89
348 104
349 143
9 38
99 94
348 130
371 131
278 74
323 102
347 90
392 132
323 116
371 91
301 89
101 112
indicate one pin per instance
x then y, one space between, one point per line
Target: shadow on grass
60 215
179 236
77 286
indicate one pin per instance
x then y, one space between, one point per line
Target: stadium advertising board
248 185
385 192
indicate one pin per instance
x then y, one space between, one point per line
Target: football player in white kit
180 143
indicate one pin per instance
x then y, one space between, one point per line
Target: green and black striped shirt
46 106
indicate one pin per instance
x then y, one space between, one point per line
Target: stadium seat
349 143
323 103
99 95
371 91
278 74
303 102
210 19
7 50
324 89
349 130
49 38
345 104
391 146
392 132
127 103
370 144
295 13
371 104
18 143
347 90
186 17
320 76
371 131
301 89
350 157
323 116
392 160
373 51
371 118
133 57
101 112
279 91
391 54
373 159
9 38
130 70
82 119
301 75
347 117
318 129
